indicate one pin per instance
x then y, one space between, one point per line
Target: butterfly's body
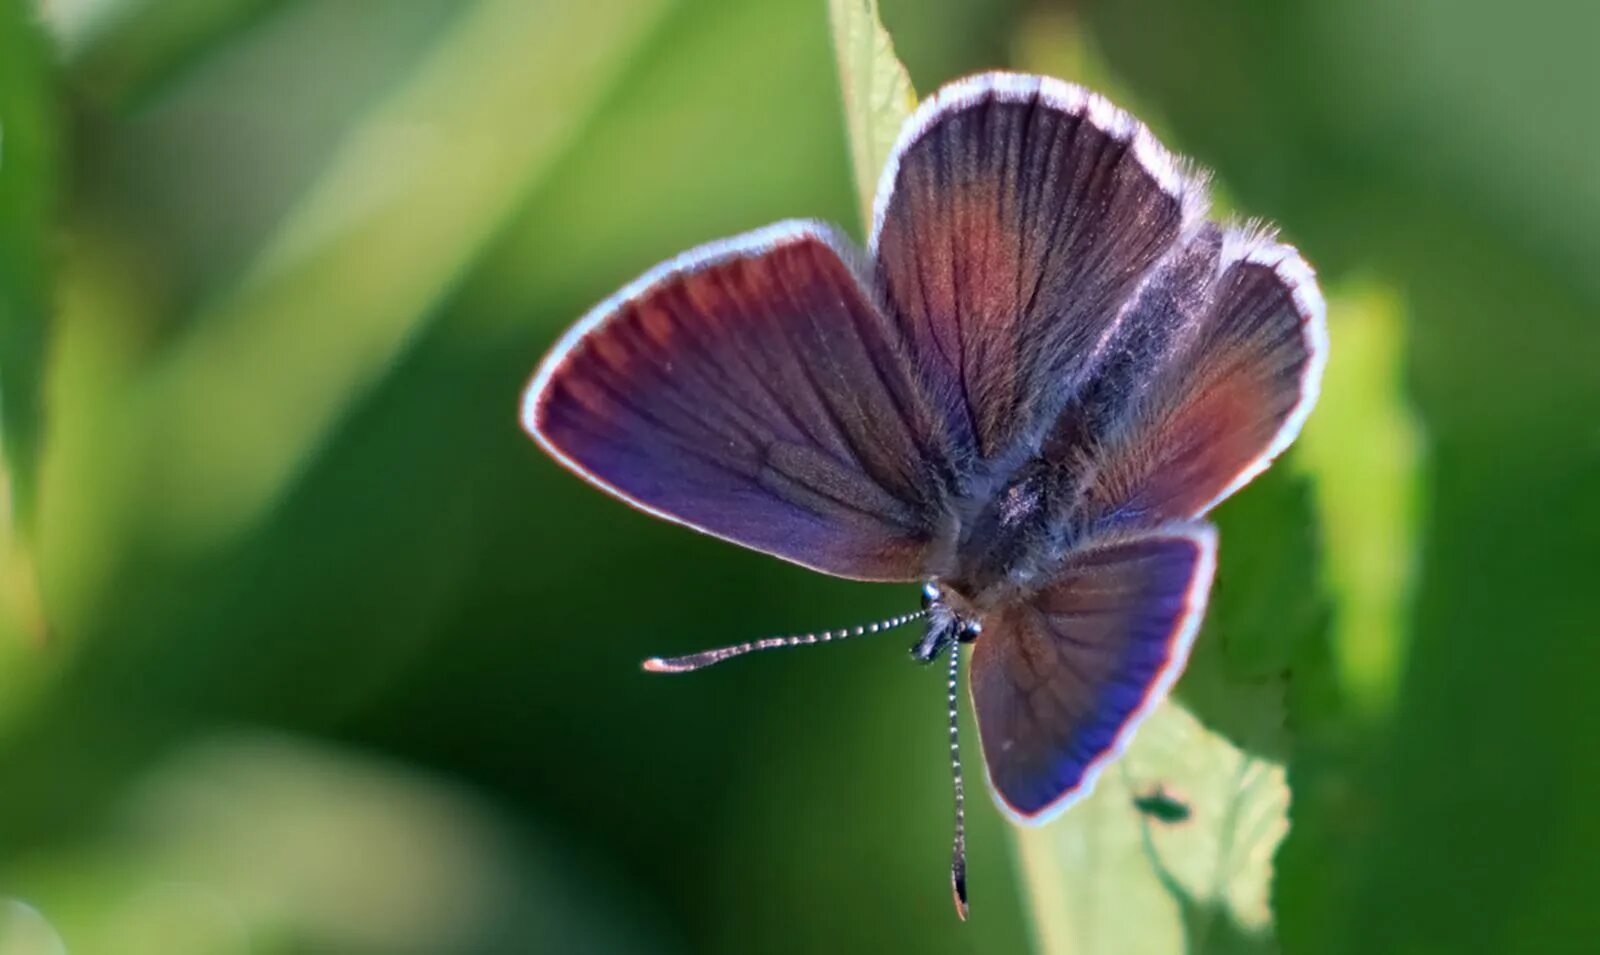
1010 538
1028 395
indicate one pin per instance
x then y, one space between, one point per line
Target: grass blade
27 199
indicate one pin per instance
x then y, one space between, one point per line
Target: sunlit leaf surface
1172 853
877 92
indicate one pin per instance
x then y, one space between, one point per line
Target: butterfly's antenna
958 850
699 661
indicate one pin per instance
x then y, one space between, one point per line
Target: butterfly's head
945 623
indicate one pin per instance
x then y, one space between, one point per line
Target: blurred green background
306 648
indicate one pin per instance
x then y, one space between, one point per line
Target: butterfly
1045 369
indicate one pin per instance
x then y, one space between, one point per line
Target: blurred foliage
23 931
340 662
249 843
1366 448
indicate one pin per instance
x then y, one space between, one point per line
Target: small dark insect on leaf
1163 807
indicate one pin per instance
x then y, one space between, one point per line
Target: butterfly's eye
930 594
969 631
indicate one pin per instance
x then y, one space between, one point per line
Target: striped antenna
958 849
699 661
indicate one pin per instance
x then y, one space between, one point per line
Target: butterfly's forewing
1060 681
1014 219
752 390
1225 348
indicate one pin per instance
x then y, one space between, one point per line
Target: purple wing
752 390
1060 682
1014 220
1215 367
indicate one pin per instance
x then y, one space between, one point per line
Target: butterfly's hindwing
1060 680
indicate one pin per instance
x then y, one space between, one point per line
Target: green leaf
27 198
877 91
1171 853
